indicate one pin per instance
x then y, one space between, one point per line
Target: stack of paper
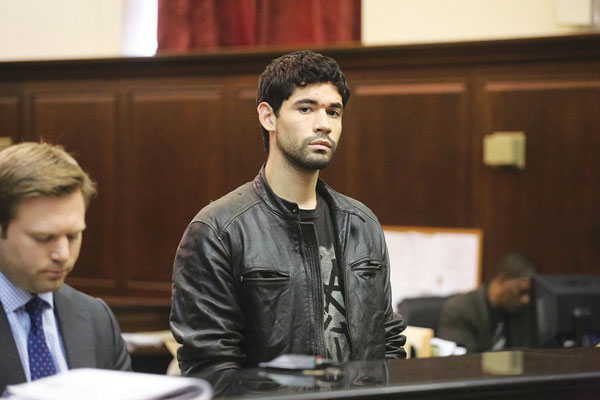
100 384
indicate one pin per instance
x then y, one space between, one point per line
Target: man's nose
322 121
60 251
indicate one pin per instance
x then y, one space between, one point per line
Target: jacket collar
75 327
264 191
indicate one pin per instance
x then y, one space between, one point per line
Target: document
139 340
101 384
426 264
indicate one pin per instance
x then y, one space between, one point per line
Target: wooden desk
528 374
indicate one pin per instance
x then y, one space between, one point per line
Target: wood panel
408 149
245 150
549 209
10 119
174 162
165 135
84 122
143 316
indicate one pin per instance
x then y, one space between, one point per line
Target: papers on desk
138 340
443 348
100 384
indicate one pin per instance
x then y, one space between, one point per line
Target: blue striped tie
40 359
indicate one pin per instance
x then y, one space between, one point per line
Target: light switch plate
504 149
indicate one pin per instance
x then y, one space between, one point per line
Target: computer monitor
567 310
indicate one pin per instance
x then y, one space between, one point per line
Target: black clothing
336 336
469 320
245 290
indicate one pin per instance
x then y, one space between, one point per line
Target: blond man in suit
47 326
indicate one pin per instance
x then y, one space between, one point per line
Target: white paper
101 384
436 264
145 339
443 348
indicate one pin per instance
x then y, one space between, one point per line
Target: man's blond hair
38 169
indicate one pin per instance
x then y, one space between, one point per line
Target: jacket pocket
367 267
366 305
264 276
265 299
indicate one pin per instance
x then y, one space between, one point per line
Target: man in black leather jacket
284 264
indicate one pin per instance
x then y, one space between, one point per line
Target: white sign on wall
432 261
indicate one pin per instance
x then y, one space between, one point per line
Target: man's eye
334 113
73 237
43 239
304 109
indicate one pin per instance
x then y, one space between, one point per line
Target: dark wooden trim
240 61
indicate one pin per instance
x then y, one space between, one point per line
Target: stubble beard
303 158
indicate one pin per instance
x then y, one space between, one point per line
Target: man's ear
266 116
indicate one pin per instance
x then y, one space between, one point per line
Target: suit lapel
76 330
9 354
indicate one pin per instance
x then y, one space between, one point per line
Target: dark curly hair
298 69
516 265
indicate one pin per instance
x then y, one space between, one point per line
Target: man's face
309 126
42 242
514 294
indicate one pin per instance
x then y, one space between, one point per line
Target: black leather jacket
244 291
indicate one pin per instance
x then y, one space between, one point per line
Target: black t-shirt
337 339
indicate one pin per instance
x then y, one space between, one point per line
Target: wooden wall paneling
245 150
10 118
549 209
146 315
172 169
477 118
165 135
83 121
409 149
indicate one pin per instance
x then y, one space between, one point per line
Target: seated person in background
45 325
496 315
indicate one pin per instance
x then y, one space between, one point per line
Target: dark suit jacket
466 320
89 330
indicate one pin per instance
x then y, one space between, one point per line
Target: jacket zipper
346 297
313 262
318 290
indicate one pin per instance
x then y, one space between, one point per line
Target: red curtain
201 24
